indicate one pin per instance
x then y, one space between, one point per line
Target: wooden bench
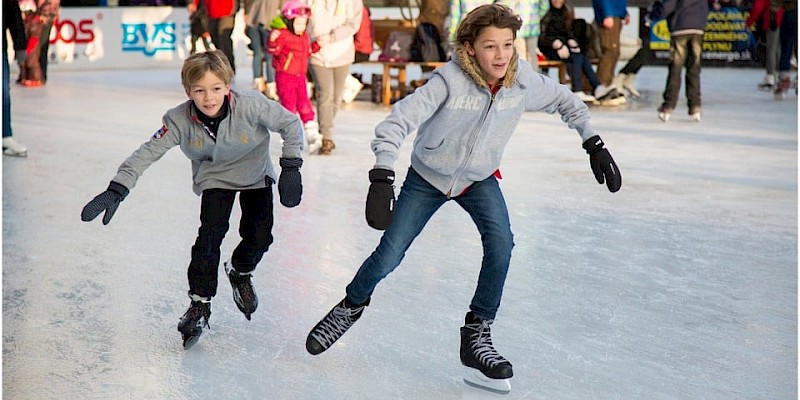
400 67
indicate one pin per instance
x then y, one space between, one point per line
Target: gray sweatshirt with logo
239 158
462 129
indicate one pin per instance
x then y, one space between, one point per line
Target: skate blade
477 379
189 341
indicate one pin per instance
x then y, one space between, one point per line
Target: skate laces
336 323
198 310
245 286
481 343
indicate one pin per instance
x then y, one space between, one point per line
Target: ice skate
243 293
12 148
192 322
783 86
768 84
586 98
259 84
694 114
664 113
333 326
628 84
272 91
313 137
484 368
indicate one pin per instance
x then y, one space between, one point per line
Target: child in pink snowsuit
291 48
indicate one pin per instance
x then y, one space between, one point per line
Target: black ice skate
192 322
243 293
484 367
333 326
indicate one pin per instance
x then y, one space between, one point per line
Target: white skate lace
335 324
482 345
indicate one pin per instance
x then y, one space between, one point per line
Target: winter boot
313 137
484 367
334 325
327 147
259 84
271 91
586 98
196 317
12 148
243 293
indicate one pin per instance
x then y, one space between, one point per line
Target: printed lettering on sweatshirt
508 102
465 102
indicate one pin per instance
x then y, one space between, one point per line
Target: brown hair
196 66
496 15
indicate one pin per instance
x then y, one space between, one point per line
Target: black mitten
603 166
290 185
107 201
380 198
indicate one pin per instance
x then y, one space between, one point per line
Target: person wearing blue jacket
686 20
463 117
609 15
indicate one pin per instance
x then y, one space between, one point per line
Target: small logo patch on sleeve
160 132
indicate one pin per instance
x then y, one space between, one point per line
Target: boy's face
299 25
493 50
208 94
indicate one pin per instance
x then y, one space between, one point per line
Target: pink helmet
295 8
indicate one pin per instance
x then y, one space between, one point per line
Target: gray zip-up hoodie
462 129
238 159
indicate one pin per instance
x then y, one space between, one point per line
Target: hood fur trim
471 68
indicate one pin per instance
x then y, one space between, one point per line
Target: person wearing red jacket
765 17
291 48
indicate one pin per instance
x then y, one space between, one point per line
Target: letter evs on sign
148 38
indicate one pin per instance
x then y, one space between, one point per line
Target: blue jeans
788 40
417 202
258 38
684 50
579 66
6 95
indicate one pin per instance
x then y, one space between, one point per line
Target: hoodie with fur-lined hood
462 128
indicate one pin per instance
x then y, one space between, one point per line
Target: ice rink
683 285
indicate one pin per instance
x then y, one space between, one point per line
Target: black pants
221 30
255 229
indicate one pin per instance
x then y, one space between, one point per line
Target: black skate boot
243 293
333 326
485 368
192 322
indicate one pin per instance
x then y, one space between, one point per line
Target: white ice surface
683 285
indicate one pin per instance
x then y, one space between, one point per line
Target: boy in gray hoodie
226 135
463 117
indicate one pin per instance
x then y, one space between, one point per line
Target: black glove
107 201
290 185
380 198
603 166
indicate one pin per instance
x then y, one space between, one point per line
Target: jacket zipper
472 141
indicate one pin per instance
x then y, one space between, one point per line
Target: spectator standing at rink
686 20
52 9
765 18
220 24
531 12
609 16
332 25
258 14
13 27
788 40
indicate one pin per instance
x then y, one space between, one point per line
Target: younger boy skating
226 135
